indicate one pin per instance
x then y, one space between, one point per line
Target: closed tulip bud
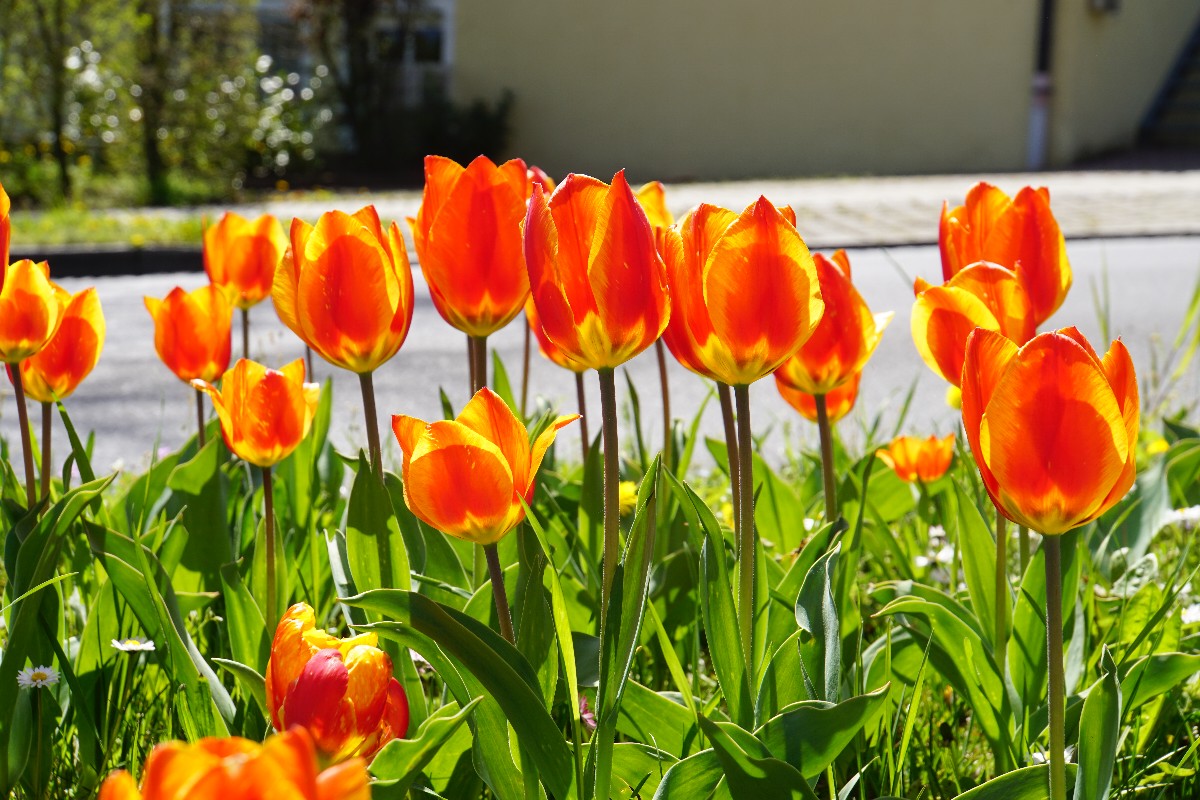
345 288
912 458
70 356
285 766
191 332
341 691
745 291
845 337
1053 427
595 273
264 413
466 477
838 402
31 309
468 241
241 255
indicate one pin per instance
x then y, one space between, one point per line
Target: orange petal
120 785
1041 263
653 199
72 353
838 403
942 319
346 781
490 417
988 357
554 309
31 310
538 452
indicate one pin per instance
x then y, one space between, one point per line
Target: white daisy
134 644
1191 614
37 677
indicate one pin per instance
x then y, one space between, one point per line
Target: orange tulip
5 231
345 288
339 690
466 477
912 458
264 413
1052 426
241 255
653 199
56 371
838 402
31 309
284 768
468 240
538 175
545 346
843 340
745 290
596 276
191 332
1020 234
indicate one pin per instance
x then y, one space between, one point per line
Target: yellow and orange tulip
264 413
468 240
341 691
31 310
58 369
653 198
596 276
1052 426
191 332
838 402
5 231
345 288
843 340
545 346
285 767
466 477
241 255
913 458
744 288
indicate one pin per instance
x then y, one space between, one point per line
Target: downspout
1043 87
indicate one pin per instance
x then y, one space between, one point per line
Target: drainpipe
1043 87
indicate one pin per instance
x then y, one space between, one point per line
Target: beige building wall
1108 68
701 89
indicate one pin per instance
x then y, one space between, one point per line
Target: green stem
745 526
269 531
826 434
581 398
612 478
732 454
372 418
40 789
308 363
26 444
1023 533
477 355
1052 546
245 333
661 350
525 370
201 438
479 376
1000 632
496 572
47 430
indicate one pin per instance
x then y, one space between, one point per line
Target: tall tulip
264 415
916 459
341 691
345 288
1053 430
285 766
467 477
69 357
31 310
240 256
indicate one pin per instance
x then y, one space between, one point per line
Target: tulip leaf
694 776
1099 734
249 641
652 718
198 493
401 761
1030 783
638 769
753 774
1151 676
978 548
501 385
811 734
373 540
249 679
817 616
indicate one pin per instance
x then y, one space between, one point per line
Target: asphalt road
134 403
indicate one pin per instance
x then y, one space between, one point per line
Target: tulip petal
318 702
942 319
370 671
71 354
1041 263
988 357
287 278
490 417
558 319
345 781
120 785
540 446
652 197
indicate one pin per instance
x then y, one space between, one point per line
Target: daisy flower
134 644
37 677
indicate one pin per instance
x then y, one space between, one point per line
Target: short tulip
191 332
341 691
843 340
1052 426
58 369
241 255
31 309
838 402
264 413
466 477
285 767
468 240
595 273
745 291
912 458
345 288
546 347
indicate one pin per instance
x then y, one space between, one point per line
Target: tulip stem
26 444
308 363
372 417
612 478
477 356
745 526
732 454
581 397
1023 534
47 430
1000 634
472 382
245 333
661 350
269 531
496 572
525 371
479 375
826 434
200 436
1052 546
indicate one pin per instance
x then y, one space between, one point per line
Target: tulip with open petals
913 458
339 690
57 370
31 309
191 332
595 274
466 477
838 402
1052 426
285 767
240 256
264 413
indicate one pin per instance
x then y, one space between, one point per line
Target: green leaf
373 540
501 385
639 768
816 614
247 630
1099 734
402 761
1030 783
693 777
249 679
978 548
196 484
811 734
655 719
751 775
1151 676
